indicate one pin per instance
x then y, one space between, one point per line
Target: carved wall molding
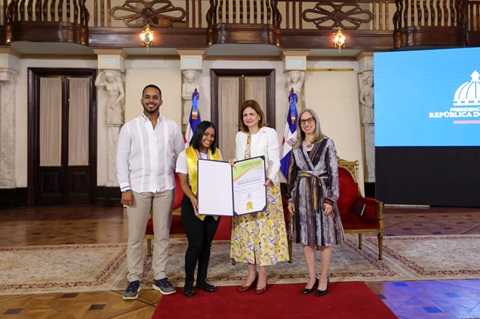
156 13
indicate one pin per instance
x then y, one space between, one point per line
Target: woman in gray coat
313 191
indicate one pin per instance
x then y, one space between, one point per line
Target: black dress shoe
206 286
320 293
306 291
189 292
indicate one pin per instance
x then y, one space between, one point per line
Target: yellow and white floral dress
261 238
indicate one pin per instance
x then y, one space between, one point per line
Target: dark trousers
200 236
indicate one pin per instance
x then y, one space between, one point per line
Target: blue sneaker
164 286
131 293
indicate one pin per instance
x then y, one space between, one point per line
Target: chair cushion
348 191
149 230
286 214
177 226
351 221
224 229
177 201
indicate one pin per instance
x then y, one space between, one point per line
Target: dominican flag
289 138
194 118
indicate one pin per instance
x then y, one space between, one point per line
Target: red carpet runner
345 300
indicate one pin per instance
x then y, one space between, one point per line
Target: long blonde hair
301 134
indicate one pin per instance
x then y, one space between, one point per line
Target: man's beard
149 110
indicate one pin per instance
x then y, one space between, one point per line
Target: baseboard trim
13 197
108 196
406 206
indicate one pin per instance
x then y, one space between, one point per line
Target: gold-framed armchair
359 214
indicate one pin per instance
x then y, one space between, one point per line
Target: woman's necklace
308 145
203 155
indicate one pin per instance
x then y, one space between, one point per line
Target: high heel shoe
260 291
306 291
320 293
253 284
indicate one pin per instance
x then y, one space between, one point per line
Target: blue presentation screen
427 98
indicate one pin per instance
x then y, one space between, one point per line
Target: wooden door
62 136
230 88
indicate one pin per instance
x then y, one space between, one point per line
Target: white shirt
182 165
264 142
146 156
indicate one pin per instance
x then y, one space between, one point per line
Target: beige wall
139 73
168 79
333 94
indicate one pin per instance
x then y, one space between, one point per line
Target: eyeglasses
310 120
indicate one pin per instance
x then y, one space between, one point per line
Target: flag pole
290 133
194 118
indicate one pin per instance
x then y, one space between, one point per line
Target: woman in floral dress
259 238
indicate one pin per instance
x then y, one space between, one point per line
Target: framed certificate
224 190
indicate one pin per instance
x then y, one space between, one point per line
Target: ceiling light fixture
339 40
147 36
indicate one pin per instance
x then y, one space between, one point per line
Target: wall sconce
147 36
339 40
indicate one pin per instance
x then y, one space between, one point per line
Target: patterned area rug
68 268
348 264
74 268
433 257
405 258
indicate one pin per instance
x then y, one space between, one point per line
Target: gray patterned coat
313 179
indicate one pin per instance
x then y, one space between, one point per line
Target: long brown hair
256 107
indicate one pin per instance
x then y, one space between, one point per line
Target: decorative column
366 99
8 78
295 66
191 65
111 91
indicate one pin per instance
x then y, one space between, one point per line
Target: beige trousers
161 206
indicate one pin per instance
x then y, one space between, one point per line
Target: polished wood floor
89 225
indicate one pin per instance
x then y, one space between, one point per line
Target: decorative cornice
364 54
116 52
191 52
43 56
286 53
9 50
